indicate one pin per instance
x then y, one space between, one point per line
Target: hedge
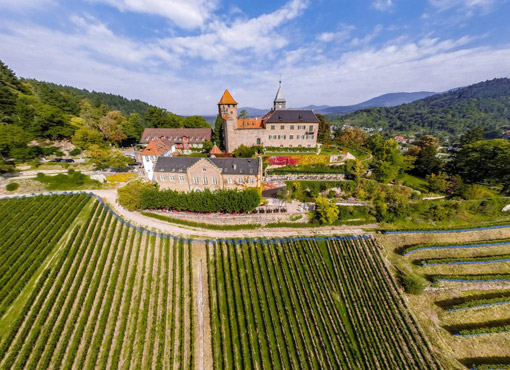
229 201
465 261
471 278
421 247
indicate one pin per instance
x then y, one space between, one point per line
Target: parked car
57 160
68 160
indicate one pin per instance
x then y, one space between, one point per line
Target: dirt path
136 218
110 196
200 305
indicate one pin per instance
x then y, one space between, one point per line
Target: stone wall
278 135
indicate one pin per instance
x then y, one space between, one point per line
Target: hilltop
444 115
386 100
45 110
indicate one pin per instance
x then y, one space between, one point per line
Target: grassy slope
431 316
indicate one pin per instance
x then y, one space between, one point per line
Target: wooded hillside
444 115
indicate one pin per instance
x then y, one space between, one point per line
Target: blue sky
181 55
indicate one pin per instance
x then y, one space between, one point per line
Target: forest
34 110
444 115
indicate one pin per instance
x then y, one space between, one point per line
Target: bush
75 152
247 151
326 210
130 194
411 283
228 201
73 180
12 186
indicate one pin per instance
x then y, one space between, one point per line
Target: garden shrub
411 283
12 186
130 195
75 152
228 201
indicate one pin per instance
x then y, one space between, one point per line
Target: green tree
353 137
244 151
111 127
426 161
243 114
86 137
161 118
25 113
486 160
438 183
385 172
106 158
218 132
195 122
471 136
326 210
207 145
130 194
133 128
13 142
324 134
7 104
50 122
355 168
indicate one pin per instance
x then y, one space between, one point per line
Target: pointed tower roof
215 150
279 94
227 98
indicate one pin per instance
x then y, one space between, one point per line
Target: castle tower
227 108
279 100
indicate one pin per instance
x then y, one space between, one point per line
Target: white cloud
258 35
246 56
382 5
24 5
467 4
187 14
341 35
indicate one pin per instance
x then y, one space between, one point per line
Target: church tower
279 100
227 109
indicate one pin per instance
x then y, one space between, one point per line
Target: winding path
136 218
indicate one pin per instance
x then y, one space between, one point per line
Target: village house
280 127
197 174
184 139
151 153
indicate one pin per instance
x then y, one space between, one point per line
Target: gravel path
136 218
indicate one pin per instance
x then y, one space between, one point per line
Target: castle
280 127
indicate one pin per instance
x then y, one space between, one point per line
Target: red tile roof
157 147
243 123
174 135
227 98
215 150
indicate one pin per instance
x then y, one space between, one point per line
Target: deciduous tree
326 210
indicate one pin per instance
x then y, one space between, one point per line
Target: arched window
258 141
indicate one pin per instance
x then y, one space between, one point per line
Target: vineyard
83 289
470 295
80 289
308 304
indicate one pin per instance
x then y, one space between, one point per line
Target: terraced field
103 296
467 310
303 304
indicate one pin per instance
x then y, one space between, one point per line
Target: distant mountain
253 112
445 115
386 100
